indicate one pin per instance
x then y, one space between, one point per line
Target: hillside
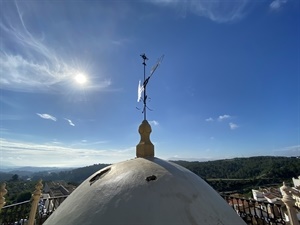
76 175
48 174
260 167
243 174
238 174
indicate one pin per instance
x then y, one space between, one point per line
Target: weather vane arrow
142 88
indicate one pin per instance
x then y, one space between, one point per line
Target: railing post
3 192
290 203
35 200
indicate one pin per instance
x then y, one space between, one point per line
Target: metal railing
47 207
256 212
17 214
251 211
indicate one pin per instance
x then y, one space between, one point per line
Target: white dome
144 191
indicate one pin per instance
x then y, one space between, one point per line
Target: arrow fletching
156 65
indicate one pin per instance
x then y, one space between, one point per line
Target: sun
80 78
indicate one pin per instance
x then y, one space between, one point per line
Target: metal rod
144 86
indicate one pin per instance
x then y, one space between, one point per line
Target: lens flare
80 79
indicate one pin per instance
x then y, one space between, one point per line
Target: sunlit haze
229 84
80 79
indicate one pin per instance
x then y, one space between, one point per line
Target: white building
296 182
271 195
258 195
296 192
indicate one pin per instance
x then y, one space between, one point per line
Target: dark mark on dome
152 177
99 175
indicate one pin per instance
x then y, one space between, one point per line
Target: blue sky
229 84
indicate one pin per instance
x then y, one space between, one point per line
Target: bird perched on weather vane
142 87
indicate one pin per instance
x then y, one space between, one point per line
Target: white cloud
70 122
46 116
89 143
154 123
217 10
233 126
28 154
10 117
221 118
277 4
209 119
288 151
37 67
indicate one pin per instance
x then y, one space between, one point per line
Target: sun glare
80 79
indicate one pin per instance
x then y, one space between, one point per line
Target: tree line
244 174
259 167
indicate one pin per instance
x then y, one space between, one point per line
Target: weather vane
142 88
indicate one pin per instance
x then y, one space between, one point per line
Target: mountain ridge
257 167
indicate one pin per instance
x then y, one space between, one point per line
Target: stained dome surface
144 191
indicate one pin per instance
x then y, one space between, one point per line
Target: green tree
15 177
24 196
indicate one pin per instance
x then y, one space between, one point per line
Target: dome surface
144 191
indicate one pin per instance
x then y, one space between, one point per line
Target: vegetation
238 174
18 191
246 168
243 174
5 176
75 176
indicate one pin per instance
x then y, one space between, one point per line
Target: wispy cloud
154 122
37 66
218 10
10 117
46 116
277 4
121 42
70 122
22 153
209 119
224 117
233 126
89 143
288 151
